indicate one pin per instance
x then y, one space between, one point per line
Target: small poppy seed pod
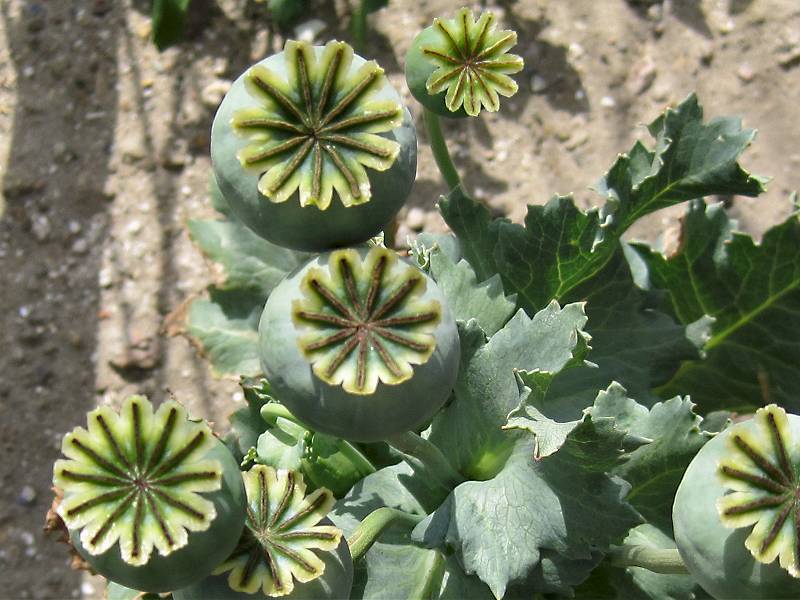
289 549
458 66
735 514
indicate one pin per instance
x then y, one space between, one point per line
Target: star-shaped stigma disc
473 62
363 320
281 531
760 472
137 477
316 123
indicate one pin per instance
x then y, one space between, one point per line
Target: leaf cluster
592 371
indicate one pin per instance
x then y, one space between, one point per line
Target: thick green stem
373 525
427 455
440 152
272 411
358 26
667 562
360 462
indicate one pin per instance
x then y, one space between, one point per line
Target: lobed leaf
563 508
562 247
752 292
467 299
249 261
226 328
469 430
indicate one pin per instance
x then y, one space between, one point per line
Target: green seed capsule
288 548
458 66
735 514
152 499
359 344
313 149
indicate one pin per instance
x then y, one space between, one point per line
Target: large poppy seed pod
737 510
288 549
313 149
458 66
359 344
152 500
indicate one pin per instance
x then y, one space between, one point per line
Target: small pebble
608 102
707 52
81 246
134 227
538 84
727 27
575 51
27 496
745 73
213 93
105 278
642 76
41 228
655 12
59 150
308 30
415 218
578 139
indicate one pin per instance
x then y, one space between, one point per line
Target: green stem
665 561
439 147
356 457
358 26
373 525
272 411
419 450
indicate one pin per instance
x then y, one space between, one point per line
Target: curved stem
419 450
356 457
373 525
657 560
272 411
439 147
358 26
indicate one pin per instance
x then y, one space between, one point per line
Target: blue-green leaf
561 247
226 327
469 430
468 299
563 508
752 292
249 261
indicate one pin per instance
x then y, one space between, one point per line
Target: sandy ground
104 156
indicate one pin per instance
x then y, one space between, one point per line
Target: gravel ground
104 156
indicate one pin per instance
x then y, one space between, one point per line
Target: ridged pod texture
289 549
313 149
152 499
735 514
359 344
460 66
